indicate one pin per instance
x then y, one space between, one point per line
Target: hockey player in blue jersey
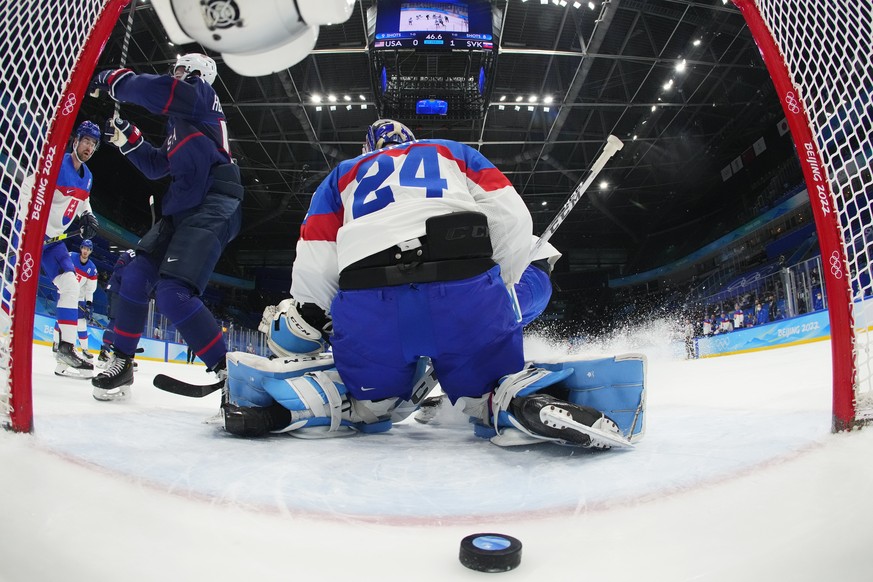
112 289
410 251
201 211
70 201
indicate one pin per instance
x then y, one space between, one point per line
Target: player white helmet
385 132
197 62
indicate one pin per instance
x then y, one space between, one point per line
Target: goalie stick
613 145
175 386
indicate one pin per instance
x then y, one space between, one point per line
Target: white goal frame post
818 54
48 52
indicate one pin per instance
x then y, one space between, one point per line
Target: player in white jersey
70 201
86 275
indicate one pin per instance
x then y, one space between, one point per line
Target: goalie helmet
88 129
200 63
385 132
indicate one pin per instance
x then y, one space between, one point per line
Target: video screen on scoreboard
449 24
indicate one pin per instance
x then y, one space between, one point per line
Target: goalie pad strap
334 400
509 388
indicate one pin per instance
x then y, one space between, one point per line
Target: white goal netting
47 54
827 51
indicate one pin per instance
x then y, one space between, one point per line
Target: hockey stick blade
176 386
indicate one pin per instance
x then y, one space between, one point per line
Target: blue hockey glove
123 135
106 81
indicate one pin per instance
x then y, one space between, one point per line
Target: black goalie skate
551 417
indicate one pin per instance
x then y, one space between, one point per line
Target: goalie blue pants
467 328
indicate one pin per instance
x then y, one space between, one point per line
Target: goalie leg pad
320 401
615 386
246 374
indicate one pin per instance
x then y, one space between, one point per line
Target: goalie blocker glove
89 225
123 135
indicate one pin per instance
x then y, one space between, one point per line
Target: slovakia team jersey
86 275
196 135
382 198
71 197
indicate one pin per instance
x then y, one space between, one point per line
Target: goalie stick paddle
613 145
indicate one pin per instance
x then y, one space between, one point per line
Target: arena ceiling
681 82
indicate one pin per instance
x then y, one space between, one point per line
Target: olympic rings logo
792 103
69 104
27 268
836 265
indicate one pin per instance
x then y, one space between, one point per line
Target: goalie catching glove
293 328
122 134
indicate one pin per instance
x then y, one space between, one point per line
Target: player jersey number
420 169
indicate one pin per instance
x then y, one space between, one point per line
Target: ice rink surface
738 479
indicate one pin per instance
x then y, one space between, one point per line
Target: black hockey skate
87 355
254 421
68 355
551 417
112 383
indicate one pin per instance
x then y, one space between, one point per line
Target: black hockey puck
490 552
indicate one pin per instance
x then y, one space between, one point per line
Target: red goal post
818 55
48 51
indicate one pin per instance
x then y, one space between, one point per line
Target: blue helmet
88 129
385 132
87 244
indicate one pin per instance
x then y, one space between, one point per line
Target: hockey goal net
819 57
48 51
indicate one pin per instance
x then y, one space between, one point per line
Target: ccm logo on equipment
479 231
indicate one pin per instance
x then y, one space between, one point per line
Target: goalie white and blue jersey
392 192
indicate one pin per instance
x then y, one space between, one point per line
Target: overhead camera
254 37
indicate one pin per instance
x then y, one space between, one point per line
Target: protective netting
40 45
827 47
